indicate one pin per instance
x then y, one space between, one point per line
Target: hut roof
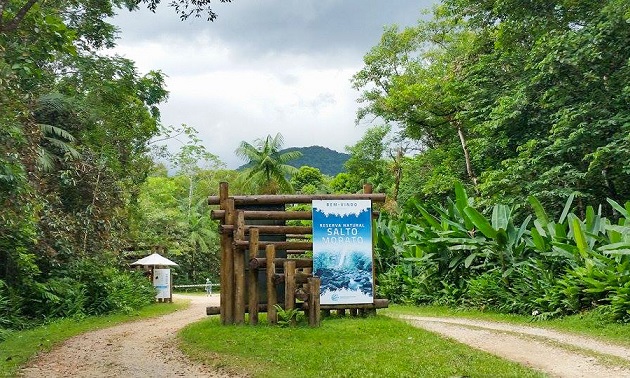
154 259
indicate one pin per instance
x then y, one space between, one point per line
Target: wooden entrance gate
287 263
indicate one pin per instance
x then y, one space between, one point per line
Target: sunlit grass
342 347
20 346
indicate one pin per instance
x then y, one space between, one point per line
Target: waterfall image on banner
342 250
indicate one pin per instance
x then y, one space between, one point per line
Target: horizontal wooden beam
297 251
295 198
261 262
279 245
378 303
273 215
276 230
300 277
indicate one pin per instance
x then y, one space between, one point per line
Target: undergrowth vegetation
85 287
513 260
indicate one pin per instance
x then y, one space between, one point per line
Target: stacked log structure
244 254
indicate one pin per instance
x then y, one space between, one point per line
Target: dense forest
503 147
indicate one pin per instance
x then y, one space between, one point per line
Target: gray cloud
263 66
296 26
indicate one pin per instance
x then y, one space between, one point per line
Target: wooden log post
252 279
227 258
314 315
289 288
367 189
272 314
239 271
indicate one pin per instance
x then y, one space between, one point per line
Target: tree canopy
534 96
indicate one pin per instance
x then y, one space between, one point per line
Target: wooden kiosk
254 281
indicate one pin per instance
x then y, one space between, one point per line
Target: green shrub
459 255
108 289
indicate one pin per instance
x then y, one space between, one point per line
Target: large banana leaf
625 212
481 222
540 212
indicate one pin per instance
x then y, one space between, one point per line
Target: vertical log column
227 257
272 300
289 287
252 278
314 315
239 270
367 189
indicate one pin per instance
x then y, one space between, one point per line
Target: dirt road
148 348
555 353
145 348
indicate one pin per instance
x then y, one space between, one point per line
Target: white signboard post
342 250
162 282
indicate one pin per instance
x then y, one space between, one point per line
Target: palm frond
54 131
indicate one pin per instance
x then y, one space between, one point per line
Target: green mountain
330 162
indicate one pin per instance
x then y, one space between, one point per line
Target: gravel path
146 348
555 353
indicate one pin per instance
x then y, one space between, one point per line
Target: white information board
162 282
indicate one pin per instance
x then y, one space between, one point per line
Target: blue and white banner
342 250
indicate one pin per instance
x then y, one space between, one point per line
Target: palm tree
267 172
55 144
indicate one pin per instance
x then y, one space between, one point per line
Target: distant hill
330 162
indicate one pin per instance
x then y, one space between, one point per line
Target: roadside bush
506 260
10 307
487 292
108 289
61 297
400 287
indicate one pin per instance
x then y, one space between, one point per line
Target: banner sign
162 282
342 250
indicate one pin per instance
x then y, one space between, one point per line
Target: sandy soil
148 348
145 348
555 353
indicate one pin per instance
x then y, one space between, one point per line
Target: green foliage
288 318
307 179
515 100
269 172
367 163
172 213
456 255
344 183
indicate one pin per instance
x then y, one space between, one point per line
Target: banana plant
619 234
504 240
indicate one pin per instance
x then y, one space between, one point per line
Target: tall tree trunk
462 140
90 212
397 172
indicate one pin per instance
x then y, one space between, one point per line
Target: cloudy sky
263 67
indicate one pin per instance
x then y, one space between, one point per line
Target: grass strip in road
20 346
590 324
342 347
